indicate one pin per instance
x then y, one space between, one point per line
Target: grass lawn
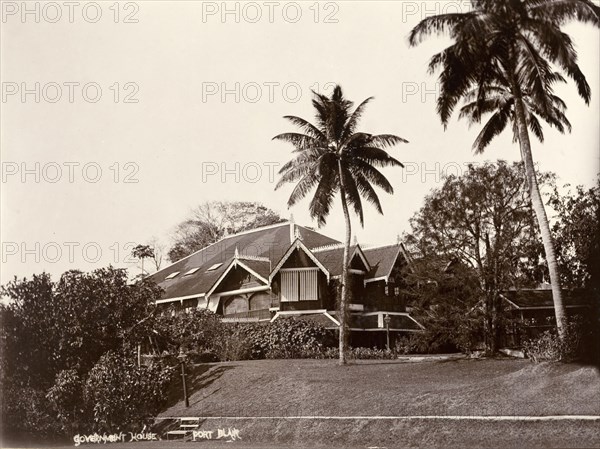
383 388
279 391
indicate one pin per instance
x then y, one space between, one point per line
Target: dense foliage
286 339
581 343
199 332
54 334
205 338
123 395
490 232
577 234
446 299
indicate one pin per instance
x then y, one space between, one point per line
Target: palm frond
558 47
494 127
386 140
375 156
305 126
292 174
305 185
306 157
561 12
300 141
352 194
352 123
437 25
372 175
367 191
328 186
535 127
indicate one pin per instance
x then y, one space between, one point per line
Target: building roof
265 245
331 257
382 260
320 318
542 298
261 267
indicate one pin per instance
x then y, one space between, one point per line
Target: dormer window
215 266
172 275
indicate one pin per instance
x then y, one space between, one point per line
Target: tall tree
577 233
503 57
158 252
210 221
491 231
335 158
142 252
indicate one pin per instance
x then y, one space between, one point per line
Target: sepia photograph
300 224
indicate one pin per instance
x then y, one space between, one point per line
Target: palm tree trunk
343 314
540 212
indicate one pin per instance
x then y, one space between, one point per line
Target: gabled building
531 311
288 270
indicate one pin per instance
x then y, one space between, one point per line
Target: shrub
354 354
442 337
66 398
123 396
26 415
200 331
372 353
579 343
236 345
285 338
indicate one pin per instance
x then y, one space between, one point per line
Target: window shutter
308 285
289 286
299 285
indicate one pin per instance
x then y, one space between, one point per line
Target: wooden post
185 395
387 320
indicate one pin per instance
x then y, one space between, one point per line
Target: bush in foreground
122 395
580 344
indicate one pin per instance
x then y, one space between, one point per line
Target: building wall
237 279
377 299
247 302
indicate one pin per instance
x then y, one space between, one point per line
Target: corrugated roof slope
381 259
270 242
543 298
331 259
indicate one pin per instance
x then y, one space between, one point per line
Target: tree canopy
491 231
577 234
505 59
54 333
211 220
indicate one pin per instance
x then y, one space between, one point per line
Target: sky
118 118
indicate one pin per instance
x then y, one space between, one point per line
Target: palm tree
503 62
142 252
333 157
